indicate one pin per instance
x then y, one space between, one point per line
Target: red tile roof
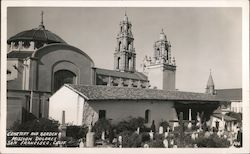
97 92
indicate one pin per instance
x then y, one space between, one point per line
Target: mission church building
157 101
46 76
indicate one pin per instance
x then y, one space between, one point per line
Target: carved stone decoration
120 82
110 81
139 84
130 83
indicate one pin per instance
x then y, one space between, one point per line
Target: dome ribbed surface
38 34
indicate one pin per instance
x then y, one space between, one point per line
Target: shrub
130 125
145 137
76 132
130 140
213 141
100 126
38 125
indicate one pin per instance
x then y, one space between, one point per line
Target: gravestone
165 143
190 118
81 145
160 130
90 137
103 135
63 126
166 134
181 123
151 135
120 141
138 130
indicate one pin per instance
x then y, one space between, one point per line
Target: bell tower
161 68
124 56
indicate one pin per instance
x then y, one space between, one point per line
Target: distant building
235 97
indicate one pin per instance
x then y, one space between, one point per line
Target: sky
201 38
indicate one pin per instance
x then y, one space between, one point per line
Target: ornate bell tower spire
124 56
161 68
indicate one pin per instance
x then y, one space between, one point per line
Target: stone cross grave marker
181 123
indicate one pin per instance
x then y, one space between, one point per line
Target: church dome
36 35
39 34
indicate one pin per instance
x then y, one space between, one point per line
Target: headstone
196 135
207 134
81 145
90 137
172 141
168 129
59 135
103 135
193 136
165 143
120 141
146 146
63 126
138 130
190 118
160 130
151 135
166 134
198 118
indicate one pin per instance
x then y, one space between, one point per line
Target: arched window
129 46
118 62
130 63
120 46
147 116
62 77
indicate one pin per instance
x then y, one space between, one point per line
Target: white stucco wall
69 101
160 78
155 76
79 111
236 106
119 110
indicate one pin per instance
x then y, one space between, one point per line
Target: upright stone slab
190 118
63 126
90 140
151 135
138 130
160 130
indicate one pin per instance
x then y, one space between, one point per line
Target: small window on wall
147 116
102 114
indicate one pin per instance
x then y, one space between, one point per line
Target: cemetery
130 133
